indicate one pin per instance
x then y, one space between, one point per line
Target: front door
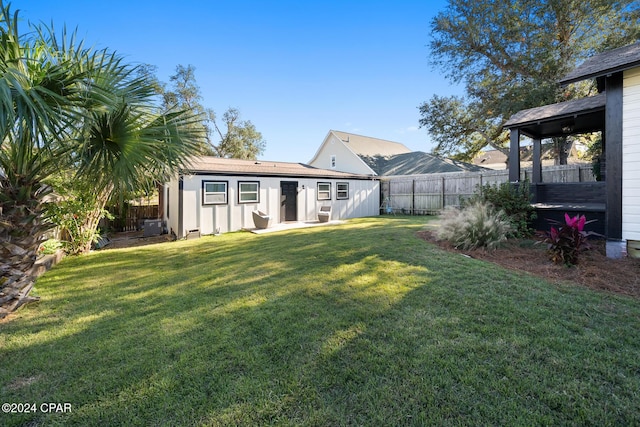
288 201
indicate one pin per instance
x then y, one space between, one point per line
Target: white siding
346 160
171 207
364 200
631 155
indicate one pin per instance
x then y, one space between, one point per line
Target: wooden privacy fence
429 194
131 218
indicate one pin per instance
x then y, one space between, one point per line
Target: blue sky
296 69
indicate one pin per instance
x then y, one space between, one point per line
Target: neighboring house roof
416 163
220 166
367 146
579 115
492 159
609 62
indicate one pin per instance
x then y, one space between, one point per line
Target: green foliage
567 240
241 140
595 154
476 225
72 216
237 139
461 128
50 246
509 55
65 106
514 201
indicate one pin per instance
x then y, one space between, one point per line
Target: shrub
567 240
476 225
50 246
71 215
514 201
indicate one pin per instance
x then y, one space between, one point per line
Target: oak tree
509 55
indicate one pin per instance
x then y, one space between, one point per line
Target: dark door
288 201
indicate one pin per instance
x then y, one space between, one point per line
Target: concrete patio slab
292 225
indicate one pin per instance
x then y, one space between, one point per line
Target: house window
333 162
324 191
248 192
214 192
342 190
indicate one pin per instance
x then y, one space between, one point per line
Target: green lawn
356 324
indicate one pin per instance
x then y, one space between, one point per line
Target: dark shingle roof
416 163
555 111
571 117
612 61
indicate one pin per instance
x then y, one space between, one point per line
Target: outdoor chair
325 214
261 219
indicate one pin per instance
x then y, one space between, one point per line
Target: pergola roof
571 117
605 63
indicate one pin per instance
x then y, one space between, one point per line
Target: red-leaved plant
567 240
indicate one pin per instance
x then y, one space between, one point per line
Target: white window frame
206 194
241 192
344 191
324 194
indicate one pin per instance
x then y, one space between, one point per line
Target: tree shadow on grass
360 324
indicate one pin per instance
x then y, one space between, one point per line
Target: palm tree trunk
22 229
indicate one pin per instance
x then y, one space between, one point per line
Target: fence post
413 197
442 190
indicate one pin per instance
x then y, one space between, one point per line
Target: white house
219 195
344 151
365 155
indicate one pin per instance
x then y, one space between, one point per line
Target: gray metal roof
575 116
235 167
608 62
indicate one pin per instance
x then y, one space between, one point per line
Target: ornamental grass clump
477 225
566 241
514 201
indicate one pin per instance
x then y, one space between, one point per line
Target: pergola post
514 156
536 177
613 153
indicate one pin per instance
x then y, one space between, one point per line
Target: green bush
476 225
50 246
514 201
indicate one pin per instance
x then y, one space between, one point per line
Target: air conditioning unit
152 227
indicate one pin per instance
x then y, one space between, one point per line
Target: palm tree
64 106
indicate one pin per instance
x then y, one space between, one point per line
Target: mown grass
358 324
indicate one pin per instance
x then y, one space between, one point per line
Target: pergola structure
603 112
574 117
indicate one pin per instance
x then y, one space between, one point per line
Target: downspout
180 206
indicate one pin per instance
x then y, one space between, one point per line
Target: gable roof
612 61
206 165
368 146
582 115
416 163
